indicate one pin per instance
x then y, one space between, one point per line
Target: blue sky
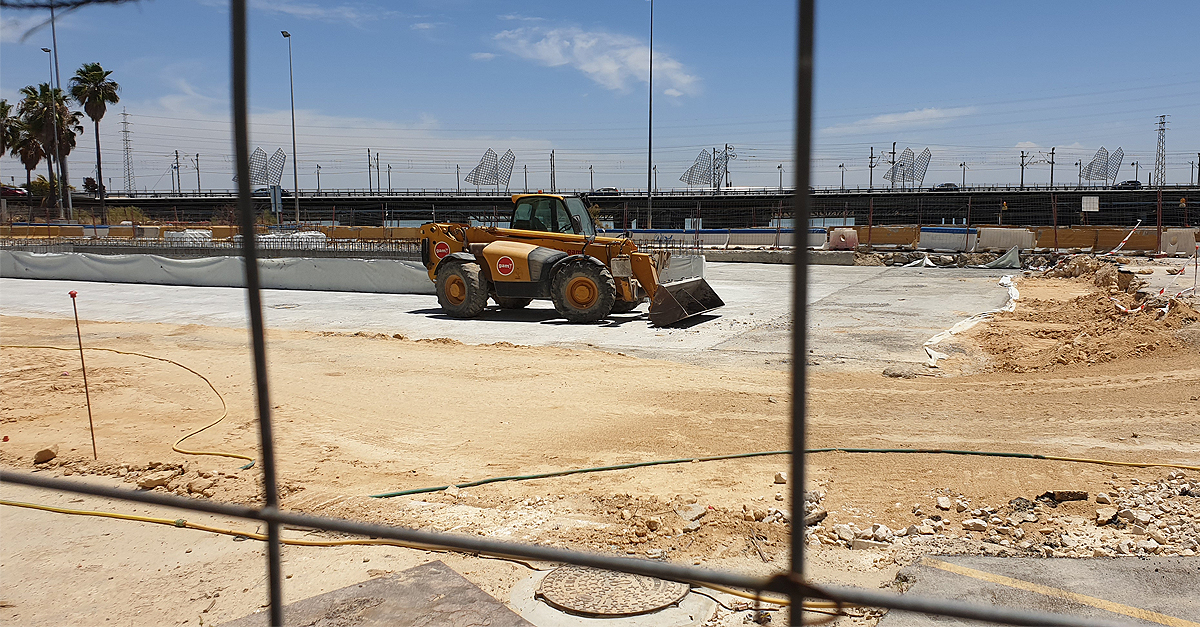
431 85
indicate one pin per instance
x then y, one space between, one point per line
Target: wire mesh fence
791 582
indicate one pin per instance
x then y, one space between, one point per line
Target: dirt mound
1044 334
1072 267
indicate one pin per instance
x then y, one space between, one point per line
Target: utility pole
781 177
56 181
871 163
389 178
368 171
552 187
1023 164
457 179
1052 167
1136 165
526 166
842 167
893 162
963 165
1191 169
655 169
197 174
1079 183
295 159
1160 157
378 187
318 178
178 180
591 178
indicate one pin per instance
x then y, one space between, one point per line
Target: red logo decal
505 266
441 249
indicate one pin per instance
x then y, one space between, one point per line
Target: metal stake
86 395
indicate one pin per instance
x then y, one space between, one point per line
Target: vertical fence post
804 92
1158 240
241 134
1054 211
870 221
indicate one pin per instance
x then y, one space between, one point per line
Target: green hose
711 458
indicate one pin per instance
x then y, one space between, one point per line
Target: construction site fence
404 242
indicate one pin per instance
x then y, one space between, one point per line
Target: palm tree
28 149
91 88
43 111
9 130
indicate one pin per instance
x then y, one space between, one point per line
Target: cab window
522 214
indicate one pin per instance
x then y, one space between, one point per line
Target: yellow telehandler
550 251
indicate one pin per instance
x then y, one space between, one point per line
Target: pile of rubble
1160 518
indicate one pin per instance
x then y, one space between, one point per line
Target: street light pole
62 163
780 177
295 165
1079 183
318 178
963 165
650 130
842 167
591 177
55 185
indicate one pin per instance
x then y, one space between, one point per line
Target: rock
943 503
815 517
653 524
156 479
453 491
692 526
844 532
1103 499
862 543
881 533
899 373
926 530
779 496
760 515
1149 545
45 454
975 524
693 512
201 486
1021 504
1125 547
626 514
1157 536
1069 495
1105 514
781 477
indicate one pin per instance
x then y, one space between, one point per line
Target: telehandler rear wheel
461 289
508 302
583 291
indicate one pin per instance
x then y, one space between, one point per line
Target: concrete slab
429 594
694 609
857 314
1138 591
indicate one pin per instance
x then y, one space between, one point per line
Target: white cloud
519 18
310 10
611 60
1026 145
893 121
423 26
483 56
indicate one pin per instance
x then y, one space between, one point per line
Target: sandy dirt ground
360 414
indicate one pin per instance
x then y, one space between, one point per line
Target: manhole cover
603 593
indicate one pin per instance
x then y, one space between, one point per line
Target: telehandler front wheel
583 291
461 289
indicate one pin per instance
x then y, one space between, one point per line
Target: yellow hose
175 446
184 524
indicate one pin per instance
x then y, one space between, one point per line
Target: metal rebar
804 91
241 134
785 583
83 366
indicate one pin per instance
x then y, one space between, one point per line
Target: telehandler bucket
673 302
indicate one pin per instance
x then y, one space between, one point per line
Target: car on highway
13 192
606 191
265 192
944 187
1128 185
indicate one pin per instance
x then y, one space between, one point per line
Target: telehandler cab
551 251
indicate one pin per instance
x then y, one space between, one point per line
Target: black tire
461 289
625 306
508 302
583 291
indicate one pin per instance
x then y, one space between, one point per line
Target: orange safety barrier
1069 237
905 236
